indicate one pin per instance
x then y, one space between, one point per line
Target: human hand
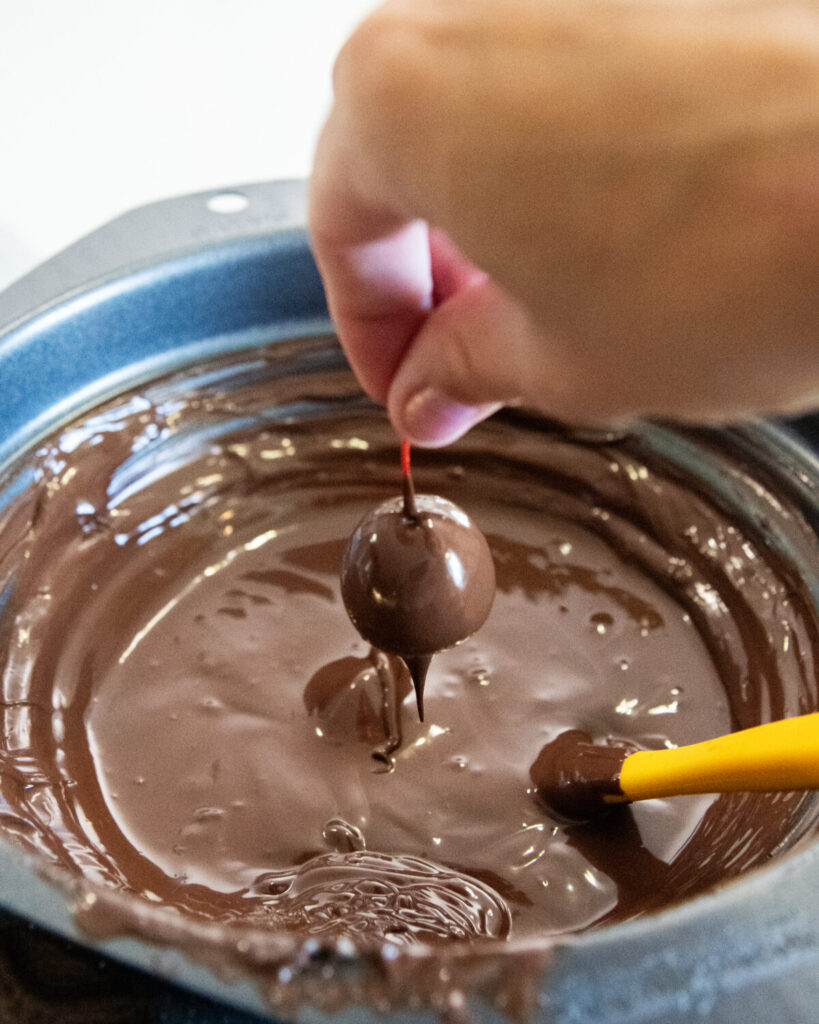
624 197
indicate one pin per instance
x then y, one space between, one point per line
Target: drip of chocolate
361 697
418 665
417 577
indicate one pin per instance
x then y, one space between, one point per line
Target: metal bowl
176 283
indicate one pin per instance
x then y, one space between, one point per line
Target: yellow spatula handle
778 756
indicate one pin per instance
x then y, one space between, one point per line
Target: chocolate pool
204 770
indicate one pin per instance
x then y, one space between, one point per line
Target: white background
109 104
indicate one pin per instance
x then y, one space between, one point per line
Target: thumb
474 353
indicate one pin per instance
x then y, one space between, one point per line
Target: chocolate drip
418 666
361 698
390 709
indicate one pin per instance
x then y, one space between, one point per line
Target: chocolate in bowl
195 734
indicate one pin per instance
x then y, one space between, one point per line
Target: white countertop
109 104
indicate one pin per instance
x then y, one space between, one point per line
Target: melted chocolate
416 578
572 775
357 893
193 730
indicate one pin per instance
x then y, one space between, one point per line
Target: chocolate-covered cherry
417 579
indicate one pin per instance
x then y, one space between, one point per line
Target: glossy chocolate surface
189 716
416 583
572 774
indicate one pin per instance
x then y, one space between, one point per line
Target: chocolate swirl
404 899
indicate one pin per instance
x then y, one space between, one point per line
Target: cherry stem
410 508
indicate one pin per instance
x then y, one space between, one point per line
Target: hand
623 199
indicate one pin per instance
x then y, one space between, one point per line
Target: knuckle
464 373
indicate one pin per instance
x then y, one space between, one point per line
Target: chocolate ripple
401 898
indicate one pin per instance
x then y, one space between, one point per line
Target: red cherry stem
410 508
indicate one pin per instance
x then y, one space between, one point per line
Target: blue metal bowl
178 282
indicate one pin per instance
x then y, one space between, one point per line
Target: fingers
375 263
472 354
451 270
378 293
382 272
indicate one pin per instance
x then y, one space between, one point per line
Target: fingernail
430 418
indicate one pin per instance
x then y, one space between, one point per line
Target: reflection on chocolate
417 583
405 899
572 774
190 721
361 697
